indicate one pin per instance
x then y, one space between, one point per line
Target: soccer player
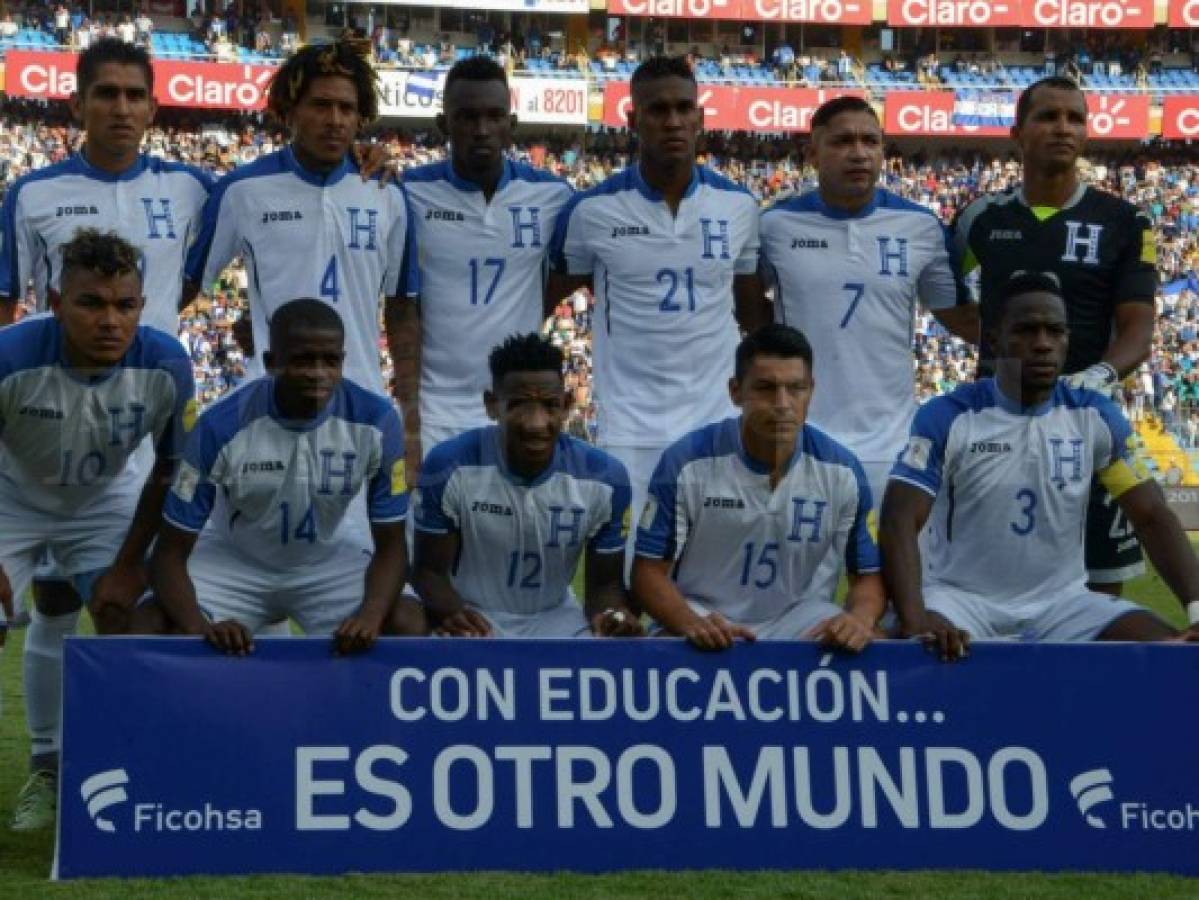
848 261
1103 252
749 519
670 250
305 224
504 513
483 226
275 466
79 391
1001 470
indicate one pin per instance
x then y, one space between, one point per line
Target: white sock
43 681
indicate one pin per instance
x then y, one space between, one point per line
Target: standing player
1103 252
504 513
749 519
79 391
848 262
671 252
1002 470
483 226
304 222
276 466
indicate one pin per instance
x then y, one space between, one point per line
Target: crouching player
278 466
1002 468
79 391
749 519
503 514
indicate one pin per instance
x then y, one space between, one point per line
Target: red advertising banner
1183 14
954 13
931 114
1088 13
738 108
833 12
51 76
1180 117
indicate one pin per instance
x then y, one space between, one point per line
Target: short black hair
295 76
777 340
826 112
524 353
110 50
1024 102
303 313
1021 283
475 68
104 252
661 67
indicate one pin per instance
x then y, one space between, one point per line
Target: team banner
1026 13
442 755
1183 14
945 114
833 12
536 101
1180 117
738 108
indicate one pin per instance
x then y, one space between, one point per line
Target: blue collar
1007 404
464 184
836 212
758 468
86 168
300 425
652 194
292 164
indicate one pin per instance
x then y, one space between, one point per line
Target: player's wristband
1193 612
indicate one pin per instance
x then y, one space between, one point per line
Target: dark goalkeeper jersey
1099 246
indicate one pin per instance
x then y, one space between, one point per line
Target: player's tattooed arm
435 555
751 307
383 581
905 510
401 323
1164 540
657 594
606 603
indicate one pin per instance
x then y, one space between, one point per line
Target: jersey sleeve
402 278
1136 271
189 501
747 260
217 241
16 254
936 286
1115 461
570 253
922 461
861 549
171 442
436 512
962 262
610 536
663 526
387 500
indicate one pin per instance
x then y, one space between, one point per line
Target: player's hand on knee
844 632
357 634
616 623
1189 636
114 596
715 632
229 637
939 636
464 623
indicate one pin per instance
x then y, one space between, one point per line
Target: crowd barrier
441 755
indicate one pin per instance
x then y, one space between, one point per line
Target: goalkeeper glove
1101 378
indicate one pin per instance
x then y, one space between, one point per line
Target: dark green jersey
1099 246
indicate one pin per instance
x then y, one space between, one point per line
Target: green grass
25 859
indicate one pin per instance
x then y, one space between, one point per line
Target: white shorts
1078 616
318 597
566 620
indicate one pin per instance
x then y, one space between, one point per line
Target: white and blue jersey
520 539
155 205
66 435
1011 487
482 277
850 283
664 331
744 549
277 490
331 237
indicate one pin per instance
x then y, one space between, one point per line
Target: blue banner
442 755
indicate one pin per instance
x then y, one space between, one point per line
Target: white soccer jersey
482 277
850 284
664 331
520 540
155 205
278 490
331 237
1012 487
66 436
743 549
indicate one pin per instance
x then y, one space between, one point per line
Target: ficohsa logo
104 795
1092 790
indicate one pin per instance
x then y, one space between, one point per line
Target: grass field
25 859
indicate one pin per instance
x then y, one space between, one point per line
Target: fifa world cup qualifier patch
191 412
648 512
626 522
917 452
186 482
399 479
